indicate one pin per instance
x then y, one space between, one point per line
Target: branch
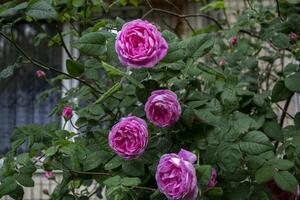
64 45
38 64
183 16
285 108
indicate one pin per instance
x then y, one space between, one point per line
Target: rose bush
219 97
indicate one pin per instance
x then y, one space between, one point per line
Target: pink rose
213 179
49 175
234 40
129 137
176 176
40 73
67 113
139 44
162 108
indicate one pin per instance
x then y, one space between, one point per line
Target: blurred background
22 100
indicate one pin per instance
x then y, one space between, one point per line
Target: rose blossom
139 44
234 40
162 108
129 137
40 73
213 179
293 37
176 176
279 194
49 175
67 113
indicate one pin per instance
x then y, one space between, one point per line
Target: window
19 104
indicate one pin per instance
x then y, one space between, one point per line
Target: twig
286 106
185 19
288 114
184 16
278 10
64 45
37 63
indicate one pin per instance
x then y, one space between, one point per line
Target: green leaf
214 5
74 68
7 72
259 100
41 10
203 174
133 168
281 164
264 174
214 192
130 181
286 181
292 82
143 93
290 68
113 181
8 185
255 142
280 92
293 1
78 3
113 71
157 196
25 180
113 163
273 130
14 10
94 159
200 44
91 44
281 41
206 116
115 88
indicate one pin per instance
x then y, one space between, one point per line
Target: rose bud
176 176
46 191
162 108
40 73
213 179
293 37
222 62
140 45
129 137
234 40
49 175
67 113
